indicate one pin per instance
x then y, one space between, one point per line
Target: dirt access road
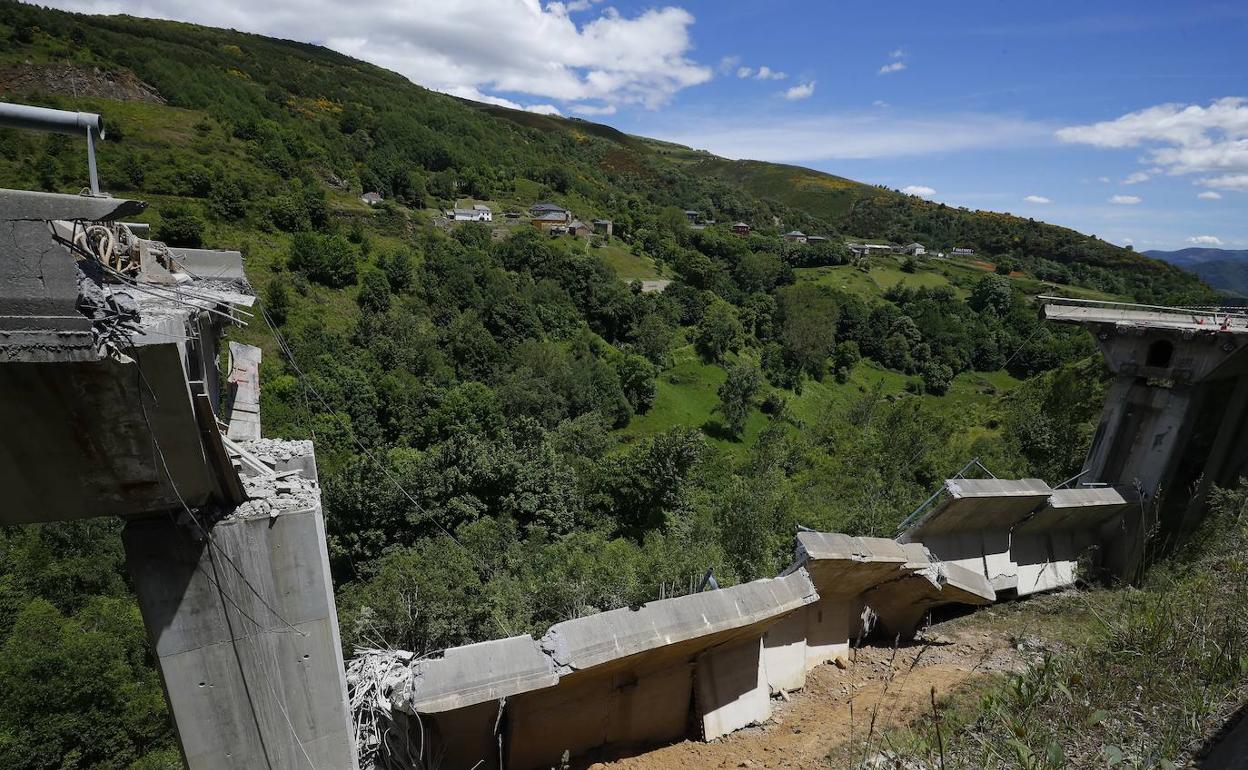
880 688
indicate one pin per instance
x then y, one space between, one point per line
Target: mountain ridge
1223 269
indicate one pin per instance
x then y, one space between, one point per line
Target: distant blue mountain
1223 269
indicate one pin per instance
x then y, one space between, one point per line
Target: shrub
181 225
326 259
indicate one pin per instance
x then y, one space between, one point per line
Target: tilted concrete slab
979 504
843 566
476 673
598 639
244 379
971 522
626 676
1083 509
900 605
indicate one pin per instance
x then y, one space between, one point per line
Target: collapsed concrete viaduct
1172 415
112 406
630 678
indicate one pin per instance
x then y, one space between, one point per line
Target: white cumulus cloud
593 109
850 135
921 190
767 73
1137 177
522 49
799 91
1125 200
1209 195
1210 141
1205 240
1227 182
1037 199
896 66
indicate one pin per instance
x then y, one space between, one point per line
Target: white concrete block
784 653
731 688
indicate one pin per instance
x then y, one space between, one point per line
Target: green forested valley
510 432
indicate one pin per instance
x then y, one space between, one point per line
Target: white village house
478 213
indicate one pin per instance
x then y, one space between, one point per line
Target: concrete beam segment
476 673
18 205
831 624
1083 509
211 264
608 636
625 676
731 687
1049 560
980 504
842 566
642 704
246 637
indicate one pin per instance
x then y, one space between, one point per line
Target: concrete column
246 635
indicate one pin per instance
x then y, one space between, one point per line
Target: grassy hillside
571 444
1047 251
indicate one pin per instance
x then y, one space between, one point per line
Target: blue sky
1128 120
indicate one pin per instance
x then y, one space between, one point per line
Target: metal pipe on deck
25 116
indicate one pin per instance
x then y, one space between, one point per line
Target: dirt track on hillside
880 688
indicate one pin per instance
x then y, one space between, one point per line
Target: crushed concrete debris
275 451
373 676
270 496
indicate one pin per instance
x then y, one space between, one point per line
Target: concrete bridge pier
240 613
1172 419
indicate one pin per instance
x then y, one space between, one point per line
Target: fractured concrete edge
25 205
979 504
596 639
814 546
476 673
1078 509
